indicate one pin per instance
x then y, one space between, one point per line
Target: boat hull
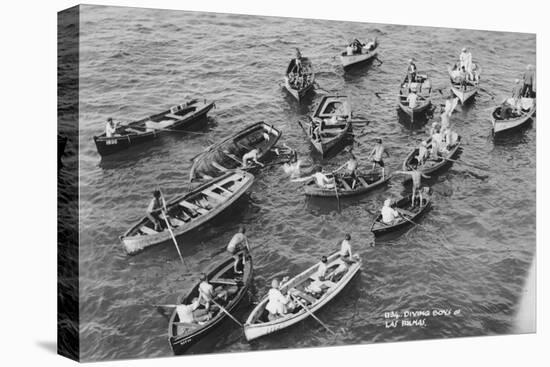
181 344
379 229
313 190
435 167
464 94
135 244
253 331
349 61
112 145
501 126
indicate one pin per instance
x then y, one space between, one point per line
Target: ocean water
470 253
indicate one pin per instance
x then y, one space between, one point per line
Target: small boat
227 154
330 124
183 336
299 83
464 88
404 207
431 166
368 52
182 116
258 323
347 187
423 89
189 211
513 120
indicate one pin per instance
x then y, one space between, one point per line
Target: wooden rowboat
189 211
367 53
184 116
464 90
431 166
365 182
257 323
227 154
330 124
527 111
298 85
404 207
183 336
423 88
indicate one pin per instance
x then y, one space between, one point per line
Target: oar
465 163
336 191
311 314
165 215
407 219
227 313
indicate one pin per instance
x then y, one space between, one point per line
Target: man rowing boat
389 214
278 304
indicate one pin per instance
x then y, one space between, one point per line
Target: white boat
527 110
365 55
464 89
258 325
189 211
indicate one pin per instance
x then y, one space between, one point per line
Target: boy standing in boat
416 176
376 155
110 128
153 210
528 78
238 243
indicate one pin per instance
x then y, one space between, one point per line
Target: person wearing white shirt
110 128
389 214
276 304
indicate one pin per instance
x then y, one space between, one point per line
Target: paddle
336 191
407 219
460 162
165 215
311 314
227 313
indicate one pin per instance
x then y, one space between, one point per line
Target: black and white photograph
237 183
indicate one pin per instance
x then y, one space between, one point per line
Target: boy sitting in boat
191 313
322 180
320 281
351 168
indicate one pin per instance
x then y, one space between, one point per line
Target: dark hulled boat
180 117
183 336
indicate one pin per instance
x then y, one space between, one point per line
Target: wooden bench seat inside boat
303 295
173 116
148 230
193 207
405 211
215 196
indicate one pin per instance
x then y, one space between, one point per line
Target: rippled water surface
471 251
